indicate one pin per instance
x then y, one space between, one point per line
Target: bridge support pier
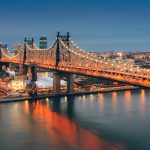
32 72
20 69
70 81
32 75
56 82
24 69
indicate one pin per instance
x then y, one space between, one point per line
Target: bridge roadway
142 80
126 77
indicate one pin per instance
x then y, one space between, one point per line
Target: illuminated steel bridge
65 56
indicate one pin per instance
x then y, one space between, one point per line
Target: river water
104 121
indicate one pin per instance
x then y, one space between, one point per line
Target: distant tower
3 45
43 42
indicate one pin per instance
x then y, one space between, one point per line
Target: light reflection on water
122 118
142 103
128 101
114 101
39 125
101 102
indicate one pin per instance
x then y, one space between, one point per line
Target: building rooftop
43 37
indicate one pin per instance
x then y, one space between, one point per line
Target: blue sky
94 24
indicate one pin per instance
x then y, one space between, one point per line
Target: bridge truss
64 55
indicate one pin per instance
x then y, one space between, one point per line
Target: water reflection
101 101
55 118
83 101
62 132
114 101
26 106
120 117
142 103
70 106
92 98
128 102
56 105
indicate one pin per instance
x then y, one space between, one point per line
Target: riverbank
41 96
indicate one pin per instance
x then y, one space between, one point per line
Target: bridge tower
24 68
57 75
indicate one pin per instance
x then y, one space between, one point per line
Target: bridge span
64 55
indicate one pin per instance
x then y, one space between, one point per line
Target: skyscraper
43 42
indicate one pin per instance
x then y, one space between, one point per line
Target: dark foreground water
108 121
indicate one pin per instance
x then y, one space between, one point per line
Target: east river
104 121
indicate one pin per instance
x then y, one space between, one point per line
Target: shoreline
52 95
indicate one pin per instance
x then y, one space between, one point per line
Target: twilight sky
94 24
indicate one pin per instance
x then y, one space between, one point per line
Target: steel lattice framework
65 55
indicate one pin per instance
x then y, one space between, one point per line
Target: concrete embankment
51 95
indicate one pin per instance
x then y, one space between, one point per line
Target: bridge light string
88 52
108 62
9 51
88 55
78 54
81 55
121 65
36 48
9 54
43 48
82 49
6 50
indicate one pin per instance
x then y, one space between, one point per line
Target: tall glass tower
43 42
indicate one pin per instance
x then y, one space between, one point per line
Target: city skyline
99 25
